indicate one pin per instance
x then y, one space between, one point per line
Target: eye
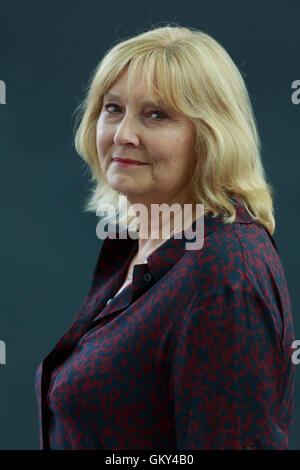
108 106
164 116
160 113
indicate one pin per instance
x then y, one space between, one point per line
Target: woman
174 348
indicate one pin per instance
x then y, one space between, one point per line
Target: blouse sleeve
227 375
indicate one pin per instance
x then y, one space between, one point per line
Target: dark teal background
48 245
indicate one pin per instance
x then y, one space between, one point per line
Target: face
131 127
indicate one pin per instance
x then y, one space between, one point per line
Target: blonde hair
194 75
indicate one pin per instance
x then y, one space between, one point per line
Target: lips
128 160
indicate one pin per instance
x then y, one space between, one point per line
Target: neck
153 232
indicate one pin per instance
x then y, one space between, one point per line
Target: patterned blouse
195 353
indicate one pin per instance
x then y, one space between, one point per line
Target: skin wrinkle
167 146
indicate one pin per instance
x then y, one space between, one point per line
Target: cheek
102 138
98 131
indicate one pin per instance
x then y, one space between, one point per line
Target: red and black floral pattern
194 354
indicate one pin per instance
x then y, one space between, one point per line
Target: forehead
139 98
123 89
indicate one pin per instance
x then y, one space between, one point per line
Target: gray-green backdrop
48 50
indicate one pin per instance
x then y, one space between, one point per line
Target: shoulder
235 256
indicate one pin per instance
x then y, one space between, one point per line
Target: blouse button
147 277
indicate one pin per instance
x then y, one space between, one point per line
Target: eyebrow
145 103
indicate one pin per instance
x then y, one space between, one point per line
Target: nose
127 132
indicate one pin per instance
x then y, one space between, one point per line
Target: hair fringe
194 75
